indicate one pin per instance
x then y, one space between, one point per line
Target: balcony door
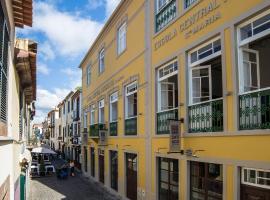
131 176
101 165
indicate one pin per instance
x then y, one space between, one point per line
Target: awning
42 150
22 12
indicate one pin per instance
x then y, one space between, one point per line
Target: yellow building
201 64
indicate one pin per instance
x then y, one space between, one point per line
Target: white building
18 91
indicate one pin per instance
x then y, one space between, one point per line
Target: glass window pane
194 57
261 28
252 176
262 20
164 176
246 32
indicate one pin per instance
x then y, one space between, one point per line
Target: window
92 117
68 106
114 169
254 82
206 181
113 107
168 183
113 114
121 38
101 112
206 90
254 41
206 72
256 177
131 109
102 61
131 100
88 75
168 87
165 13
167 101
4 40
188 3
161 4
92 152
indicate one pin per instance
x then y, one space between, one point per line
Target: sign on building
175 142
102 137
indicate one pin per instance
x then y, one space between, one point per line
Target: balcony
162 120
254 110
94 129
113 129
131 126
165 15
206 117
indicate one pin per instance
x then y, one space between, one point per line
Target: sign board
102 137
175 142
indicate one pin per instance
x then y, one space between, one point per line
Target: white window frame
159 8
122 38
256 178
100 107
92 114
253 37
241 47
210 83
113 99
127 94
160 79
195 65
88 75
101 64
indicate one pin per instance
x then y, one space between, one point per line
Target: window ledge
230 133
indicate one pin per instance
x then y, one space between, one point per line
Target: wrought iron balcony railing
131 126
163 120
113 129
206 117
165 15
94 129
254 110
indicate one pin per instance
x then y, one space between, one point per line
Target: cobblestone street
74 188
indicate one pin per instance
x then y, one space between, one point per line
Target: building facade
201 64
53 117
17 91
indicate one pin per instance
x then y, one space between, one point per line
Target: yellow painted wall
231 148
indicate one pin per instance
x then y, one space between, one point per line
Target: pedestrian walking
71 165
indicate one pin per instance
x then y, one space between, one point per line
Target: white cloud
49 99
74 76
39 116
43 69
110 6
94 4
69 33
46 51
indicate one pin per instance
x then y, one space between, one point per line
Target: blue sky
64 30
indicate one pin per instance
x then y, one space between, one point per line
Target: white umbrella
42 150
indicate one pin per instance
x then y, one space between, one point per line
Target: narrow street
72 188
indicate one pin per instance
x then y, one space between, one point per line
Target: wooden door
101 167
131 176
